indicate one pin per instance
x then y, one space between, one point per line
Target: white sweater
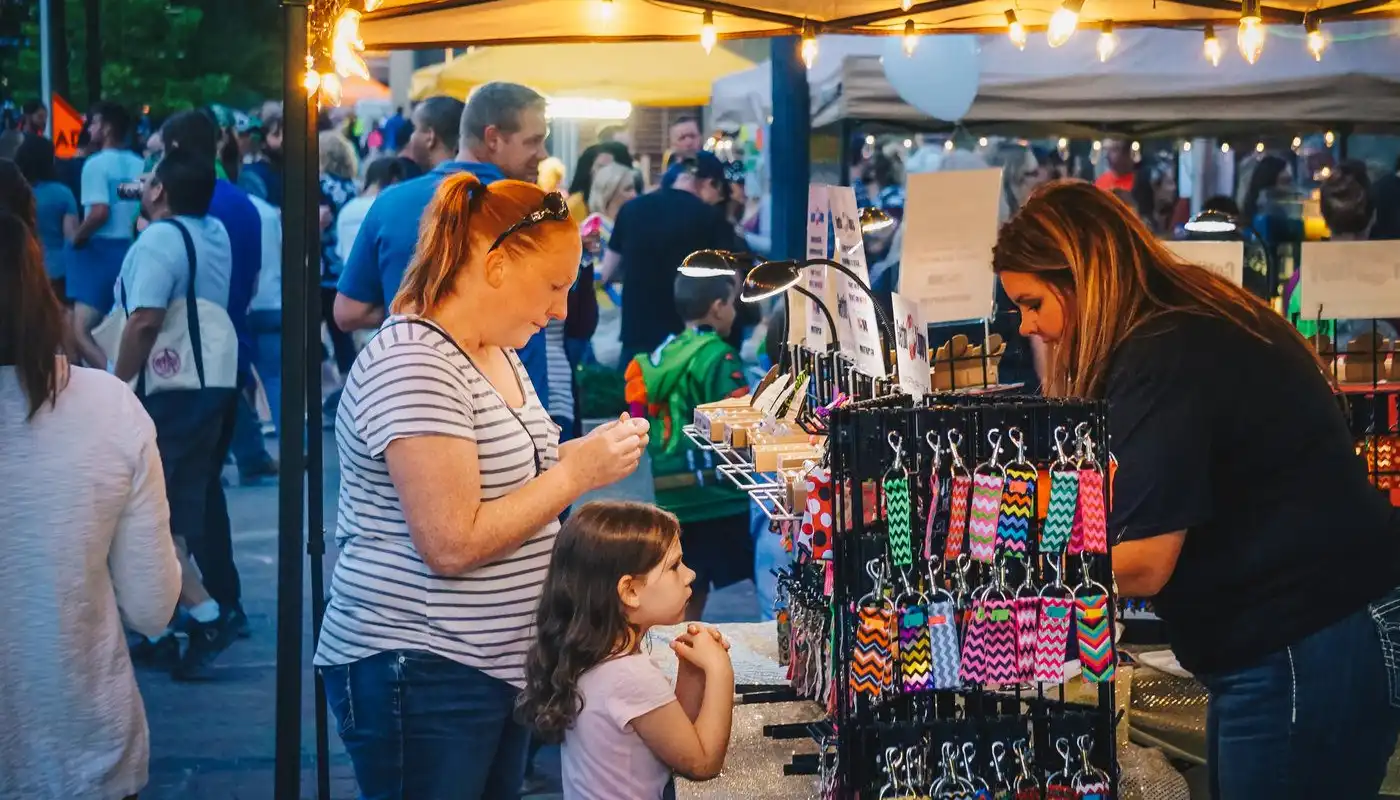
84 545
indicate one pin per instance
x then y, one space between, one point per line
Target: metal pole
45 64
791 134
295 248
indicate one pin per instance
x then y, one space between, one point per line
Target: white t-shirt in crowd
85 546
603 758
347 225
156 270
102 173
269 294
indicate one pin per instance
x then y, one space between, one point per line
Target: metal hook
998 755
955 440
897 444
1062 747
936 446
1019 439
1085 743
994 439
1061 439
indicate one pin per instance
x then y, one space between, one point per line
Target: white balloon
939 78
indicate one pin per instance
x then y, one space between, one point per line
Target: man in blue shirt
501 135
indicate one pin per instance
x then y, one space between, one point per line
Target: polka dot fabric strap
815 535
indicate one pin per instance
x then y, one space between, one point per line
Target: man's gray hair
497 103
442 115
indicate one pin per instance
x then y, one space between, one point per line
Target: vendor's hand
705 651
607 454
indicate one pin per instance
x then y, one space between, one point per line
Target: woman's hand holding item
607 454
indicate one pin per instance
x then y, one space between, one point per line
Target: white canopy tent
1068 90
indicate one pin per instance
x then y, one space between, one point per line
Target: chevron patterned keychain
944 658
987 483
973 666
1064 499
1017 501
1052 630
1090 782
871 658
999 636
1027 615
960 482
936 525
898 508
1090 533
1092 629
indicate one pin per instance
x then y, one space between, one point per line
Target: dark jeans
213 552
421 727
1313 720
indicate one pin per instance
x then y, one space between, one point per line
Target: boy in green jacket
690 368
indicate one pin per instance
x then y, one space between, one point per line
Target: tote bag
196 347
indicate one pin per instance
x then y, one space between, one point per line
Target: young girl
616 572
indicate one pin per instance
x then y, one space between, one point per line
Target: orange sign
67 124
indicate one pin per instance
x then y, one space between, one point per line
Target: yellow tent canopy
411 24
651 73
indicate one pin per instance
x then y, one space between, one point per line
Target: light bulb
1185 147
1316 41
708 37
1108 41
1137 146
809 50
1251 34
1325 172
606 9
905 5
982 142
1259 148
371 5
1015 31
1214 52
311 81
330 88
869 139
911 38
1224 147
1297 142
1329 138
1062 143
948 145
908 144
1063 22
346 46
1098 145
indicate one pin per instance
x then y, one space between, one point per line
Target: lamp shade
708 264
874 219
1213 221
770 278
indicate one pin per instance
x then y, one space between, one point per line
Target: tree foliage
166 54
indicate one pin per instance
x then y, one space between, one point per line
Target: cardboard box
705 412
765 457
960 365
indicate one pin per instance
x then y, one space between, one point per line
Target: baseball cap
703 164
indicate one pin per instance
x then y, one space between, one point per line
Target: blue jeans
266 327
422 727
1313 720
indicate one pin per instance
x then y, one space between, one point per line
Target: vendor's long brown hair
581 621
31 319
1113 275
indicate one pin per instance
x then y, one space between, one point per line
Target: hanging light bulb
371 5
1214 52
708 37
1015 31
1063 22
606 9
948 145
311 81
1259 148
908 144
1098 145
1108 41
982 142
1185 147
905 5
1137 147
1062 143
1224 147
809 48
1329 138
330 88
346 46
1251 35
869 140
1297 142
1316 41
911 38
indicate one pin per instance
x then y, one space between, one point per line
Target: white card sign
950 226
1350 280
797 318
1225 259
862 339
911 346
816 333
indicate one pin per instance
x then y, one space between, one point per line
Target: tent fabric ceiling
648 73
1068 91
409 24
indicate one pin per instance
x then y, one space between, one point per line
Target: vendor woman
1240 504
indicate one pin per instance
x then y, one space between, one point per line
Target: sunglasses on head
553 207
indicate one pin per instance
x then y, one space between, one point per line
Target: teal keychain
898 508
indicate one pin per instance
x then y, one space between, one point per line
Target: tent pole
296 200
791 140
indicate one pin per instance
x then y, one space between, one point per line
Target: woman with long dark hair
1239 503
85 546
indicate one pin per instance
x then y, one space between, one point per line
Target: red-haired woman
452 482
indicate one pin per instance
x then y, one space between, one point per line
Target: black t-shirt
653 234
1241 443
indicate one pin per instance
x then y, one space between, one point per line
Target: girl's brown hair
31 319
581 621
464 218
1113 276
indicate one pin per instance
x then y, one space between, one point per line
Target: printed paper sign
857 309
816 334
1225 259
797 318
950 226
911 346
1350 280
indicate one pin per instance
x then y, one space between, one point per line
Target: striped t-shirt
411 380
